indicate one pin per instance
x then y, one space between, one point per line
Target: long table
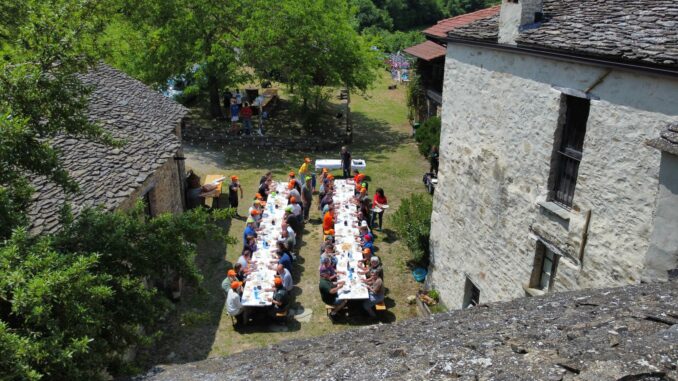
255 294
336 164
347 243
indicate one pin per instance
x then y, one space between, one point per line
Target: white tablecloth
336 164
346 242
262 277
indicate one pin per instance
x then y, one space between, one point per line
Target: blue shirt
248 231
235 110
369 245
286 261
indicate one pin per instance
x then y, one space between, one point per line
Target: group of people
241 110
300 187
370 265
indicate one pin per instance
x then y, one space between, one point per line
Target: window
148 199
544 267
471 294
568 150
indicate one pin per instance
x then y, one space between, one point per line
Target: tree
179 37
368 15
453 8
44 46
321 50
72 303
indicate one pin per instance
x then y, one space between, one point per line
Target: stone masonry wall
166 194
500 114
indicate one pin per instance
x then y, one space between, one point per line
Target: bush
412 222
428 135
392 42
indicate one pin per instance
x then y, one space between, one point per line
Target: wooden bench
380 306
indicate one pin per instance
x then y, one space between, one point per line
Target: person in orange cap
231 277
233 194
291 175
234 305
280 299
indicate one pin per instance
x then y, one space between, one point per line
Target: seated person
374 265
290 231
291 220
294 192
287 239
245 261
375 287
328 294
365 262
367 242
230 278
239 273
234 305
250 229
251 244
328 220
284 257
286 276
329 240
280 297
365 230
326 269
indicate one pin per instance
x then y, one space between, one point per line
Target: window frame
544 251
470 290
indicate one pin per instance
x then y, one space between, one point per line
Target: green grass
382 137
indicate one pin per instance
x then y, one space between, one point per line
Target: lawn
382 138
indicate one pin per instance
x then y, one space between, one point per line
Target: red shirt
246 112
380 200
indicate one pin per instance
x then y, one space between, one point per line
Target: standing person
307 198
246 114
378 205
235 112
303 170
233 194
238 98
434 157
346 162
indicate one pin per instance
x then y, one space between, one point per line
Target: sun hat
235 284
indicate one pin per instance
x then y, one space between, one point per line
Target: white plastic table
336 164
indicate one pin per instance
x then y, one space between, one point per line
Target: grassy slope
393 163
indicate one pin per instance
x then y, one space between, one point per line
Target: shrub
412 222
428 135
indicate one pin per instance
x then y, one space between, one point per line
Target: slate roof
427 50
633 31
628 333
443 26
143 119
667 140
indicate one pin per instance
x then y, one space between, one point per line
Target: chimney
514 15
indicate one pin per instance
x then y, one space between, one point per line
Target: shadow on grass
355 315
189 331
371 139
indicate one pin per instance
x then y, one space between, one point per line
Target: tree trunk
349 128
215 103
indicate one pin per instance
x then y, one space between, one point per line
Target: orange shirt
328 221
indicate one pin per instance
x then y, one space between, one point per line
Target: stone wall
614 334
165 187
500 114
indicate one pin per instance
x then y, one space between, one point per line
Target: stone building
546 183
147 165
430 56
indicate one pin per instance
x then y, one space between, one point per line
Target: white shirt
288 283
233 303
296 209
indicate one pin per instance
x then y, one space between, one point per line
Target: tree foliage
412 222
72 303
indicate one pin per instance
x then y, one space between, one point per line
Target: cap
367 237
364 223
330 176
367 251
290 185
234 177
231 272
307 160
363 190
255 212
250 220
277 281
331 232
324 170
258 196
293 199
235 284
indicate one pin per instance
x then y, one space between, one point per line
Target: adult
321 189
238 97
292 220
296 208
286 276
329 240
245 261
280 299
328 220
246 114
234 305
239 272
307 198
434 158
251 244
265 188
266 176
286 227
375 288
288 240
379 204
367 242
235 115
346 162
303 170
249 230
231 276
326 269
233 188
284 257
294 192
328 294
